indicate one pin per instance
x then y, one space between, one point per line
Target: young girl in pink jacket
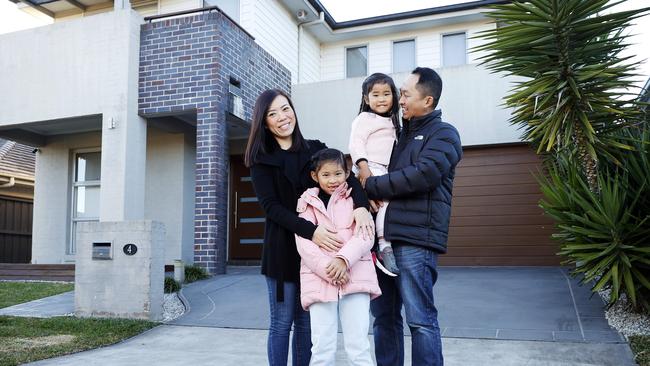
372 136
335 284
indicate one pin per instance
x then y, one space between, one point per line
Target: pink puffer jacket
314 283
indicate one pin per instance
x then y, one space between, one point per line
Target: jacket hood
310 197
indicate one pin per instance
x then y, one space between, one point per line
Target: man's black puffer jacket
419 183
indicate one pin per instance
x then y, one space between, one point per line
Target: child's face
330 175
380 98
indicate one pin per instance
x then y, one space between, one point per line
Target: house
141 110
16 200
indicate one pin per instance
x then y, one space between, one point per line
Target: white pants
377 170
354 310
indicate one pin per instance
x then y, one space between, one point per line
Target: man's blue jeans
283 314
414 289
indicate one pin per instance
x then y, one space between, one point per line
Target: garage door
496 220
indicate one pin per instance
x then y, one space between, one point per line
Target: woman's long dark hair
260 140
366 87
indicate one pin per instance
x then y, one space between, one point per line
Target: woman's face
281 120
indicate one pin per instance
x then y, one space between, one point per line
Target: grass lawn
31 339
641 347
12 293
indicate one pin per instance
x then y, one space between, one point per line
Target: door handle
236 205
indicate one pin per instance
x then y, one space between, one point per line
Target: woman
278 157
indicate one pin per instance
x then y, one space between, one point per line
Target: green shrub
606 234
171 285
195 273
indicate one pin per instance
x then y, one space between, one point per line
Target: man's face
413 103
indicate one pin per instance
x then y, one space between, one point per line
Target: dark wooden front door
246 215
15 230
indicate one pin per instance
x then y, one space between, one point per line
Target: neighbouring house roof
16 160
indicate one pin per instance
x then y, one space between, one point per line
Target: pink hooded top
371 138
314 283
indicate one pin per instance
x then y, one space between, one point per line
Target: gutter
401 16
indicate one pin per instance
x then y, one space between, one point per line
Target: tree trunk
588 163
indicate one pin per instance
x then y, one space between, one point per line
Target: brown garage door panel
495 200
504 190
473 171
500 220
496 218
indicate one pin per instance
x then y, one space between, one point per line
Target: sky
12 19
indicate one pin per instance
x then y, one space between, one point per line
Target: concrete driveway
488 316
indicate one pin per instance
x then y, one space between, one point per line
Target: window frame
392 53
442 47
71 247
345 60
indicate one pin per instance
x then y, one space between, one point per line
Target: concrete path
183 345
57 305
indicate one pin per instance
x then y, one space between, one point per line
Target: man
418 186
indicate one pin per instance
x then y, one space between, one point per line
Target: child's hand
336 270
364 173
342 281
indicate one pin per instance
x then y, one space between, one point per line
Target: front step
37 272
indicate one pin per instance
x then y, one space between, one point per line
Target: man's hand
336 270
375 205
364 173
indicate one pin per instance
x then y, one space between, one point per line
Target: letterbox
102 251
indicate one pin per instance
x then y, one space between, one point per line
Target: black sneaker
386 262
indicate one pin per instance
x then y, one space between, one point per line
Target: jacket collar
310 197
416 123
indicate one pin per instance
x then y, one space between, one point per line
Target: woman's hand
364 223
327 239
336 270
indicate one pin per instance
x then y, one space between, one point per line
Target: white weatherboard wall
471 99
380 49
83 67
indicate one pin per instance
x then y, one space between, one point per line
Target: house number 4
130 249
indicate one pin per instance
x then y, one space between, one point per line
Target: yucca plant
573 95
606 234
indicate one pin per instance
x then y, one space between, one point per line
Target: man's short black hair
429 83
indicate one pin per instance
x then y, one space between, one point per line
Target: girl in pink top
335 284
372 137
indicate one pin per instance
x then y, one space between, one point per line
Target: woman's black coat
279 178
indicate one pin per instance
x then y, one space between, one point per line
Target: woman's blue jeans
283 315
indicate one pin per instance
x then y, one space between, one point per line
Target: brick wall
185 66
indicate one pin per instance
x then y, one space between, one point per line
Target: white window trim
345 60
392 52
71 247
442 46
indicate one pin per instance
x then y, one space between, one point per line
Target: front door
246 215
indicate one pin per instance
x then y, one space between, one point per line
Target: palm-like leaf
574 92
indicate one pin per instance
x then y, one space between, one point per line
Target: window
404 56
454 49
85 191
356 60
